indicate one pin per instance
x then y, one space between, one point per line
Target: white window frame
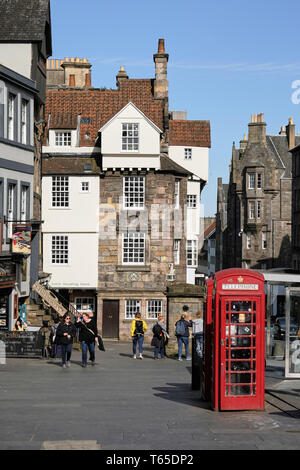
130 133
23 209
188 153
79 302
264 241
24 111
251 210
134 192
63 138
132 306
60 250
85 187
133 248
251 183
154 308
258 208
176 251
60 192
192 253
248 237
192 201
11 194
11 116
177 193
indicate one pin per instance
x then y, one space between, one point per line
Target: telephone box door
241 353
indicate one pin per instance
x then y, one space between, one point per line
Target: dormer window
130 137
63 139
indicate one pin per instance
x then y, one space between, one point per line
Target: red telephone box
234 360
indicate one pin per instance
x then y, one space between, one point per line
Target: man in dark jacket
182 332
65 333
88 335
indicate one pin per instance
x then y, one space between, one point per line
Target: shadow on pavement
181 393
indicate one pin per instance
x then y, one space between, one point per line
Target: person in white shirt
198 333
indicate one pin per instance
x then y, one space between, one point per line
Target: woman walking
138 328
65 333
160 337
88 335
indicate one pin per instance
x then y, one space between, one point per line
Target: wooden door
110 324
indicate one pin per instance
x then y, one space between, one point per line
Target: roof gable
136 111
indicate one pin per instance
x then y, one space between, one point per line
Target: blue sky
227 59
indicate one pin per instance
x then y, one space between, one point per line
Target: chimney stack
161 82
257 130
76 71
122 75
290 132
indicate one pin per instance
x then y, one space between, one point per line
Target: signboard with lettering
22 343
21 239
49 298
240 286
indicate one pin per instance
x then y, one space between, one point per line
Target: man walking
182 332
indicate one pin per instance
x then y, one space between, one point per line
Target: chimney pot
72 80
161 46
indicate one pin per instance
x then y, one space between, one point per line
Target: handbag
100 341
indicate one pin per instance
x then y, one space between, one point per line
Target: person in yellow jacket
138 328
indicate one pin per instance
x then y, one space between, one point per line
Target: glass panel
240 390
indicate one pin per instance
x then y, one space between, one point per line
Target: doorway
110 323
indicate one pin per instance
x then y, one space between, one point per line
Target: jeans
85 348
158 350
66 350
199 345
183 340
139 340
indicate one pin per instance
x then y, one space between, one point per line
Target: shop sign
21 239
240 286
22 343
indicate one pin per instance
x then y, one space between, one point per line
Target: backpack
180 328
157 330
138 328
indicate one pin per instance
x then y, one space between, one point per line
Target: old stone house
114 202
254 209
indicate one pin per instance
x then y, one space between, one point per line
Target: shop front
7 294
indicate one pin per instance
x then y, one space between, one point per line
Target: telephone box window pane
240 378
240 366
241 390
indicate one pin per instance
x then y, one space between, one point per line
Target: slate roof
278 145
23 20
166 164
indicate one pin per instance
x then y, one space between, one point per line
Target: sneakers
68 364
188 359
93 363
83 365
141 356
179 359
134 356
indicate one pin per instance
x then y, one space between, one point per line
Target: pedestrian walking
138 329
65 333
182 332
55 348
197 332
160 338
88 336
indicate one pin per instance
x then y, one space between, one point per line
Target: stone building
120 139
296 207
25 45
254 209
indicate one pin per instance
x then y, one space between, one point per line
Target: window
24 122
133 248
154 308
259 180
177 192
11 201
24 203
258 209
192 200
134 192
264 240
130 137
251 180
251 210
85 304
248 241
191 253
60 191
85 186
60 249
63 139
176 251
132 307
188 154
11 116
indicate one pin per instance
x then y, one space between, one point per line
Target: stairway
36 314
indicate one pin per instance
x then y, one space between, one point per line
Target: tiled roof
23 20
192 133
99 106
63 121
